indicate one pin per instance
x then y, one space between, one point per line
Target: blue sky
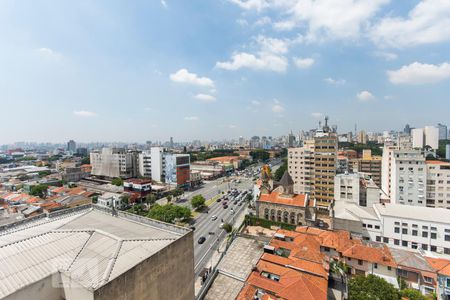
147 70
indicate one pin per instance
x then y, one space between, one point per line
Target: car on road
201 240
214 218
218 200
225 206
221 225
192 228
235 202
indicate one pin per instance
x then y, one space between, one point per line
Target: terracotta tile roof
436 162
380 255
276 197
59 190
76 191
224 159
441 265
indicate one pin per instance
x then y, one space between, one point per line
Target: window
425 227
433 248
413 245
402 273
389 268
433 235
414 232
397 223
428 279
397 229
378 238
396 242
405 243
386 240
404 224
360 262
425 247
424 234
375 266
377 226
446 250
433 228
447 237
448 282
369 225
404 230
414 225
364 225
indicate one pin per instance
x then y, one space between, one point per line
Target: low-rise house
442 267
110 200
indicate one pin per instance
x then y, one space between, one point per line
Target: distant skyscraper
171 143
407 129
71 146
443 131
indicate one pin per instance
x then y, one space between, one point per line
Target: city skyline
148 71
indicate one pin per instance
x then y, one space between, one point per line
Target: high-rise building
301 167
370 164
114 162
407 129
171 143
362 137
443 131
325 163
404 176
71 146
427 136
438 184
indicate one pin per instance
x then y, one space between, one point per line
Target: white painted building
417 137
358 188
301 167
157 163
404 176
109 200
145 164
427 136
403 226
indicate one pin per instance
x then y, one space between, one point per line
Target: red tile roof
276 197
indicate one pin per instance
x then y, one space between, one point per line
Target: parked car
201 240
214 218
225 206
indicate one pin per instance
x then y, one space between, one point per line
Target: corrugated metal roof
90 246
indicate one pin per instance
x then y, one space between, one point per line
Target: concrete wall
45 289
354 227
168 274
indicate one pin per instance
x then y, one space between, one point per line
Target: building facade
301 167
114 162
438 184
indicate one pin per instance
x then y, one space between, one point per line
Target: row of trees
280 171
260 155
374 287
169 213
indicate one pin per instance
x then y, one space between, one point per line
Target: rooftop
414 212
87 244
276 197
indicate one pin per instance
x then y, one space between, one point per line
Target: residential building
343 165
438 184
114 162
195 178
442 267
356 187
404 176
370 164
362 137
228 162
427 136
208 169
281 204
177 169
138 187
73 174
325 163
301 167
145 164
110 200
96 253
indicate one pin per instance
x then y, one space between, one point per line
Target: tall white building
443 131
386 168
301 167
427 136
145 164
157 163
408 178
357 188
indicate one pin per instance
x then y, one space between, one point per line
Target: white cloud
419 73
256 102
261 61
428 22
303 63
84 113
388 56
277 108
317 115
272 45
192 118
284 25
49 54
251 4
242 22
336 82
263 21
183 76
365 96
205 97
164 3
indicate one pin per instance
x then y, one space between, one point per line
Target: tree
39 190
117 181
125 199
198 201
371 287
169 212
280 171
85 160
227 227
150 199
412 294
260 155
169 198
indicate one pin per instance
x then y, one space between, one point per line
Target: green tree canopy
260 155
413 294
280 171
371 287
198 201
117 181
85 160
227 227
150 199
169 213
39 190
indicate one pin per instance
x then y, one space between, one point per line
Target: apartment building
438 184
145 164
114 162
301 167
404 176
427 136
370 164
325 163
358 188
